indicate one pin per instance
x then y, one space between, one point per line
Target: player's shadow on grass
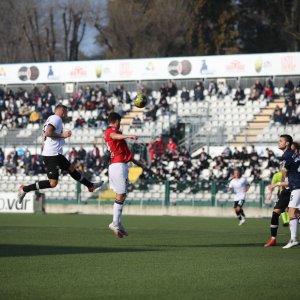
246 245
13 250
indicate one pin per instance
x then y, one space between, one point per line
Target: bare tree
50 40
74 27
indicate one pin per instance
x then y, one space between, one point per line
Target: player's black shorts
239 203
54 163
283 200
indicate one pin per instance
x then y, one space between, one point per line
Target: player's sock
274 224
238 215
242 213
79 177
39 185
118 207
285 217
294 227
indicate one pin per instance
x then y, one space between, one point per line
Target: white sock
294 229
117 213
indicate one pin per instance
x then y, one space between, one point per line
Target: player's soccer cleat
271 242
116 230
21 194
242 222
95 186
286 224
290 244
123 230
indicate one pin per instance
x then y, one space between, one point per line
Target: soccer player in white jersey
52 151
240 186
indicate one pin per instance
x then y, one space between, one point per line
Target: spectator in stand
125 96
90 105
163 103
268 93
159 147
185 95
95 152
81 154
212 88
288 87
72 155
197 84
172 146
91 122
172 89
222 90
254 93
290 114
198 95
80 122
150 110
27 163
151 150
236 153
244 153
227 153
90 161
163 91
2 156
118 91
10 166
269 82
102 118
278 117
239 96
259 87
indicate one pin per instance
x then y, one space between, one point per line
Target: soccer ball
140 101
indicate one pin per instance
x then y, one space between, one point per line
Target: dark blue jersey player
292 165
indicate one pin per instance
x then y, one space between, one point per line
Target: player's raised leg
92 186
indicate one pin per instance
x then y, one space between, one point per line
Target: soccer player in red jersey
120 155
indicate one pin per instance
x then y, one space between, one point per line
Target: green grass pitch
77 257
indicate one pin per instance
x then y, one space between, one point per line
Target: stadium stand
208 111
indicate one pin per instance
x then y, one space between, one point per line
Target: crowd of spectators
176 164
22 161
18 109
289 114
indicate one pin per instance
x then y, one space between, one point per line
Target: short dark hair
288 139
113 117
296 145
58 106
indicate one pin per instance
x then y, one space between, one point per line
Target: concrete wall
151 210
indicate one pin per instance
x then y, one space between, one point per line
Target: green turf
77 257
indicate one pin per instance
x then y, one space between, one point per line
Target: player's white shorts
295 199
118 177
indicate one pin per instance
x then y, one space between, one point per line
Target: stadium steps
256 126
129 116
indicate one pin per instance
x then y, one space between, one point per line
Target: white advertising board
270 64
9 204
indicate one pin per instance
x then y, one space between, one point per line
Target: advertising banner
9 204
248 65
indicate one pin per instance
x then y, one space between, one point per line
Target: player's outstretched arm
280 184
51 133
120 136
